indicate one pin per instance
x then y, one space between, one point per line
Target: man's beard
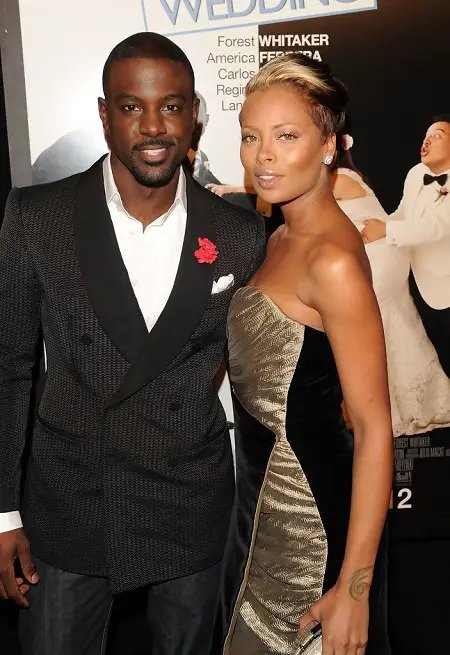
159 179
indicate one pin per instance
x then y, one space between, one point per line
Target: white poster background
65 45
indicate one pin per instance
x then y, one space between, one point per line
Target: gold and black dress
294 471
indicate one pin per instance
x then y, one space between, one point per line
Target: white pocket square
223 283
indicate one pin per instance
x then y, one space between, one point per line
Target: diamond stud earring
328 159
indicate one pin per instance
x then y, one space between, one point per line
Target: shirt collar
112 193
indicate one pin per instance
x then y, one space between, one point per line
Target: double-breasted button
174 406
86 340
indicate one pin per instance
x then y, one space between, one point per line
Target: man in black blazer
128 270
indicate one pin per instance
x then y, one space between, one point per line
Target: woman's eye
247 138
288 136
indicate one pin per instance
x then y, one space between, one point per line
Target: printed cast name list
237 59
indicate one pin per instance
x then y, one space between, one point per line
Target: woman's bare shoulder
338 257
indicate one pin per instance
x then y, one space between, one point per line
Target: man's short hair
145 45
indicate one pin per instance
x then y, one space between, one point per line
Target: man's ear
195 106
103 113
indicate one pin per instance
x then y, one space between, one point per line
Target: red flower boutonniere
207 253
443 191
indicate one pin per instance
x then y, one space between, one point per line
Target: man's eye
130 108
172 108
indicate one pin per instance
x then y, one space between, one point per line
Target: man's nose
152 123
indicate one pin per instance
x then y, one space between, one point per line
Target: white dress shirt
151 257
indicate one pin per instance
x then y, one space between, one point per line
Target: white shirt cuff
391 236
10 521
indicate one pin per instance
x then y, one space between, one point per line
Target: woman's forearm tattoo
359 582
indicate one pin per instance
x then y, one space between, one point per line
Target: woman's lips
267 180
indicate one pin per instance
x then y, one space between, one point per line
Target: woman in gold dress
311 497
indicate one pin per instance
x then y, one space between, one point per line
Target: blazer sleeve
20 302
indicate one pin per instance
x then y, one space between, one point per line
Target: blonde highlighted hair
325 95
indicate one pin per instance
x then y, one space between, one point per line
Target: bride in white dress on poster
419 389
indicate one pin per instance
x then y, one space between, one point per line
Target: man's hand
15 546
374 229
222 189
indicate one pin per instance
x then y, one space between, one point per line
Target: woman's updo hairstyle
326 96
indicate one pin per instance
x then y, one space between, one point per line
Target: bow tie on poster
440 179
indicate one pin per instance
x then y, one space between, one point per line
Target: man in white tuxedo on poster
422 224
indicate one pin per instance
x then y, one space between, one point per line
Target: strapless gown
294 469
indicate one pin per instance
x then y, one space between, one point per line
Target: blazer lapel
416 206
187 301
102 268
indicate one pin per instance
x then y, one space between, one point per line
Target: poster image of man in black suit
127 269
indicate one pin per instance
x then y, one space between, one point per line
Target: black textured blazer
130 473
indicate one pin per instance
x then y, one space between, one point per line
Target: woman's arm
342 293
